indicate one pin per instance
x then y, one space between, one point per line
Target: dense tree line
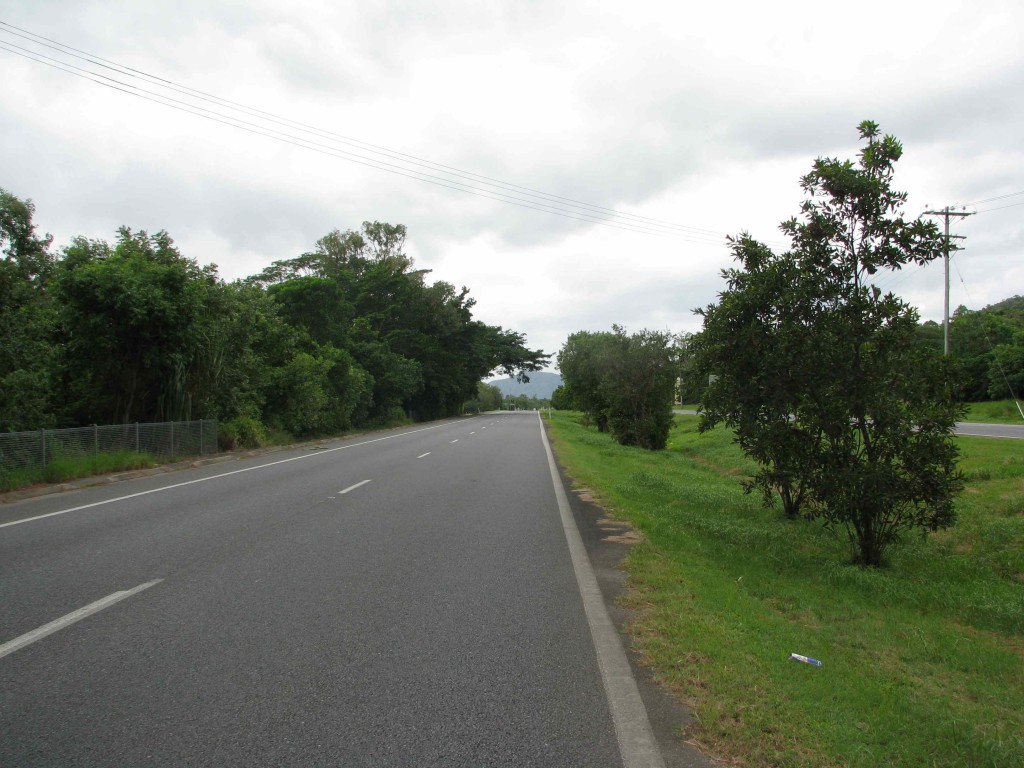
347 335
988 346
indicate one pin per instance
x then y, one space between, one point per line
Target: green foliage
638 384
561 399
27 319
417 342
582 362
488 398
823 377
241 432
134 320
623 383
1006 370
347 335
974 338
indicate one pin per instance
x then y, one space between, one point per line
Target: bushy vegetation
625 383
348 335
488 398
921 660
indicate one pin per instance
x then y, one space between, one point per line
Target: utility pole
946 213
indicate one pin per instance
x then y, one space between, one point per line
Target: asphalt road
405 600
1013 431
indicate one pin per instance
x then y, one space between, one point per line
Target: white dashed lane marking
353 487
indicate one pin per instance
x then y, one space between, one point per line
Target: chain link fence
170 439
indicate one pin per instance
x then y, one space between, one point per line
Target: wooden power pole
946 213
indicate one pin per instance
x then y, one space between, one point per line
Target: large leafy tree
417 342
583 361
27 319
821 374
136 319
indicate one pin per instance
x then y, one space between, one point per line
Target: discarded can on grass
804 659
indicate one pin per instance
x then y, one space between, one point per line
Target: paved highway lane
1011 431
408 601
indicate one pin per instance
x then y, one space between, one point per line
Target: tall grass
923 660
64 468
995 412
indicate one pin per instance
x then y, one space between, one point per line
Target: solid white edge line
357 485
637 745
68 619
215 477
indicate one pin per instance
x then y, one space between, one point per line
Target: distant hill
540 385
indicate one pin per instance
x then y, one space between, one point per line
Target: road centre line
423 454
68 619
455 440
353 487
637 745
215 477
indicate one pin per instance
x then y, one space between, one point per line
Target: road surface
396 600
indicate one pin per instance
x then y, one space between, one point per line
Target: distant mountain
540 385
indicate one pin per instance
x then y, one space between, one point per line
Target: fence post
42 433
172 438
201 437
95 440
137 438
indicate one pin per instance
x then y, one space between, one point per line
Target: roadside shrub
241 432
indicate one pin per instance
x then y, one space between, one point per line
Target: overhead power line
263 123
999 208
997 197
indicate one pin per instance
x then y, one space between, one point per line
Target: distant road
1011 431
1014 431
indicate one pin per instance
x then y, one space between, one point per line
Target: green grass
995 412
923 660
64 468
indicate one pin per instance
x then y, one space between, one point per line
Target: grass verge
994 412
64 468
923 661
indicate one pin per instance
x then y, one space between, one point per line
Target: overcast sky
698 117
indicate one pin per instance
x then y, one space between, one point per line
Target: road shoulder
607 543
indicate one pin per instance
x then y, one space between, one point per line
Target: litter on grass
804 659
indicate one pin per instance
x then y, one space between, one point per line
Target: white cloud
705 115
